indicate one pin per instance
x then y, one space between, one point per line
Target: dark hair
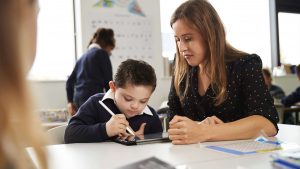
104 37
266 72
298 69
135 72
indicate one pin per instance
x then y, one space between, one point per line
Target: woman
217 91
19 125
93 70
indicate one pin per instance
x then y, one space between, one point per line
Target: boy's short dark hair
298 69
135 72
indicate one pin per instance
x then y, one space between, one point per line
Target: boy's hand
71 109
116 125
141 130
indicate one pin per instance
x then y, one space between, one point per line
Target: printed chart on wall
131 25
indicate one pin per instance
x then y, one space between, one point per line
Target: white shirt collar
110 95
94 45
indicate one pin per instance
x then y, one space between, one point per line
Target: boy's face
131 100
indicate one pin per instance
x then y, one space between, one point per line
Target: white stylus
112 113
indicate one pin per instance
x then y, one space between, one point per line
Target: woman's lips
188 57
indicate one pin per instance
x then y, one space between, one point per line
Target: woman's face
29 31
190 43
109 50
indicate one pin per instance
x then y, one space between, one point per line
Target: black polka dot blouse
247 95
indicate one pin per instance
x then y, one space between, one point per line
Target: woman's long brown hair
201 16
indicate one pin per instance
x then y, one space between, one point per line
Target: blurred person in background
93 70
291 100
275 91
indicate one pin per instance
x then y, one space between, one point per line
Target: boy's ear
112 86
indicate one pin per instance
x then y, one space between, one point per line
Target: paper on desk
247 147
260 144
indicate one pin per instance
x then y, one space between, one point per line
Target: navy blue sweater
291 99
91 75
88 125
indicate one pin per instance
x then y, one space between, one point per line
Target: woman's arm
186 131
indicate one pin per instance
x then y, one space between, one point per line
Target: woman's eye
187 39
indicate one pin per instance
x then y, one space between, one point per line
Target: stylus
110 112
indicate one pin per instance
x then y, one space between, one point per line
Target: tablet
144 139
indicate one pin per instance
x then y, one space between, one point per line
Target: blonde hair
203 17
19 125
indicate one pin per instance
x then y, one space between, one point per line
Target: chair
57 134
291 115
162 113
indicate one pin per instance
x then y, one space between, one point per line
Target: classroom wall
288 83
137 31
52 94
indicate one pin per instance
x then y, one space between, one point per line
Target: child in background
291 100
127 97
275 91
294 97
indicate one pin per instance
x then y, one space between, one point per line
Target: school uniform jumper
89 123
91 75
291 99
247 95
276 92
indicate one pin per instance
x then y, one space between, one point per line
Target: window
287 28
167 7
289 38
55 56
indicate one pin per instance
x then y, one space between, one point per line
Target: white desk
112 155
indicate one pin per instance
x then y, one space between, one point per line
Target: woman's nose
181 46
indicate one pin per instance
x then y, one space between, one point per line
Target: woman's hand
71 109
212 120
186 131
117 125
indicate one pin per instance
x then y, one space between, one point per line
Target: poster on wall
132 27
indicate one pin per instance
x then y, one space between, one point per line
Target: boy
275 91
127 98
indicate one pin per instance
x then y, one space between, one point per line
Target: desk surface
112 155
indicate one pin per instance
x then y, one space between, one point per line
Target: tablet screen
144 139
